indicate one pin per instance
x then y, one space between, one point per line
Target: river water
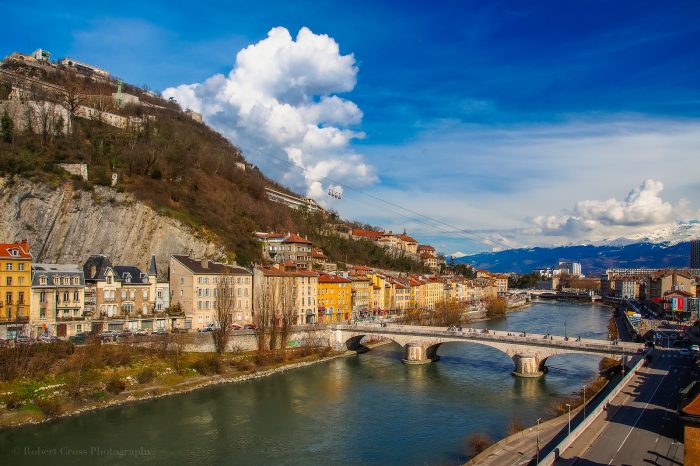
365 409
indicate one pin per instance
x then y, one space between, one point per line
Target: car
236 327
206 329
180 330
141 333
249 326
684 353
78 338
159 331
695 348
23 339
108 335
48 339
125 334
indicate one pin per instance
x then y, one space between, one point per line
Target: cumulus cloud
279 104
643 207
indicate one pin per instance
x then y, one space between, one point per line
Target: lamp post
584 402
538 439
565 335
569 406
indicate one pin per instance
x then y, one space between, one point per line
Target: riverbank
41 397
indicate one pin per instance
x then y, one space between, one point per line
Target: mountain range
594 259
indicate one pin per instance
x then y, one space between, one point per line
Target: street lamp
565 335
538 439
569 406
584 402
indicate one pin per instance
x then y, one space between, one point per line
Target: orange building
334 298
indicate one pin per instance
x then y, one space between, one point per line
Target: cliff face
64 225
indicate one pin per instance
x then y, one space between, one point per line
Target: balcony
14 320
71 318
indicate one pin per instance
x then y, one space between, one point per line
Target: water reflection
367 409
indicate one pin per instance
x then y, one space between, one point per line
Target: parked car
236 327
695 348
23 339
48 339
684 353
180 330
109 335
125 334
249 326
141 333
159 331
78 338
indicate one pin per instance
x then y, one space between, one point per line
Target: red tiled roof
678 292
292 238
407 238
374 235
332 279
21 251
281 273
692 408
318 253
425 247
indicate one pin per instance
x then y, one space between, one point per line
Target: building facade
193 285
334 298
58 300
15 289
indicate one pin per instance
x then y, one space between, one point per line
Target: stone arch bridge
528 351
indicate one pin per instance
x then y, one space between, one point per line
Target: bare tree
224 302
288 307
73 96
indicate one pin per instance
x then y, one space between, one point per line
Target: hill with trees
178 166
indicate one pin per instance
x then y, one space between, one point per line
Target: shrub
51 406
476 443
515 426
115 385
146 375
12 400
208 365
243 364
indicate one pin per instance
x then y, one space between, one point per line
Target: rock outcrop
64 225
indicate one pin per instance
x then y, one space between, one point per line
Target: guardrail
597 411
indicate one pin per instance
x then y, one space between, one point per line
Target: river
365 409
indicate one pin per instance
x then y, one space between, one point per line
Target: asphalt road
641 425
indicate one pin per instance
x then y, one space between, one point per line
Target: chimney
205 263
25 245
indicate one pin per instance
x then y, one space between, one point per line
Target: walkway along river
365 409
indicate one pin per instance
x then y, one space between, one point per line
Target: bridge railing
501 336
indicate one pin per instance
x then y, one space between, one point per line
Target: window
20 266
245 292
206 292
199 280
182 280
238 281
42 297
79 328
76 281
8 266
9 281
206 280
159 293
132 294
109 279
123 294
42 280
42 313
206 304
145 294
199 292
199 305
8 298
20 297
66 280
66 297
20 281
239 304
76 296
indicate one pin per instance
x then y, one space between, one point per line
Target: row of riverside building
67 299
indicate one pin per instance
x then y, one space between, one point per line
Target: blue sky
517 121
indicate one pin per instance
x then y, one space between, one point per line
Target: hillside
164 159
593 259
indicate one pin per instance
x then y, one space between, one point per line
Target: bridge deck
469 334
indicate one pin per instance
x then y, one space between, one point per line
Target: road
641 425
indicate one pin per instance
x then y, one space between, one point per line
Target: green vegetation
46 380
526 281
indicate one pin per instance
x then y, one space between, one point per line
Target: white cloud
642 208
278 103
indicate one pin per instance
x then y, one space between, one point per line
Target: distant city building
294 202
286 247
41 55
570 267
84 67
695 254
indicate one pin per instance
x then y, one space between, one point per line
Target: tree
224 302
7 127
72 97
288 298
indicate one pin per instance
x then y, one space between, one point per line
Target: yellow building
417 293
361 294
334 298
15 289
434 288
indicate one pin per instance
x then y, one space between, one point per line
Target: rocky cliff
65 225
